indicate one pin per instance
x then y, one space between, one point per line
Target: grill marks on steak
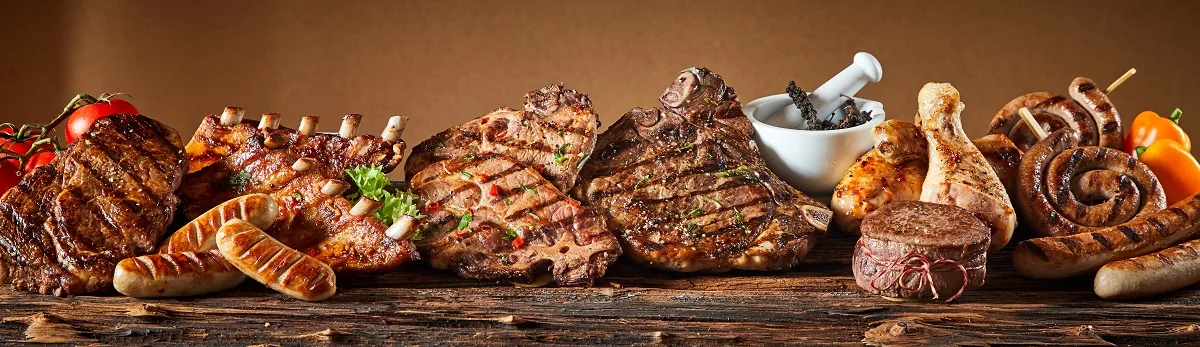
559 235
687 191
311 222
205 185
554 134
107 197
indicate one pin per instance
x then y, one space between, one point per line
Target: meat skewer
1087 110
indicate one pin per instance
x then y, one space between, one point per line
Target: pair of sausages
1080 254
217 250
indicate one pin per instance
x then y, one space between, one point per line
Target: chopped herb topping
691 229
298 196
464 223
239 180
468 156
739 220
504 259
691 213
534 216
510 234
644 179
508 202
686 146
528 190
466 175
560 154
713 201
740 171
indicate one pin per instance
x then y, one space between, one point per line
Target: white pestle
831 95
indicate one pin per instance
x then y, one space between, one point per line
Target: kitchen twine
919 264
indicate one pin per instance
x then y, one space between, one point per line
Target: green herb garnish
739 220
691 213
464 223
740 171
239 180
560 154
691 229
534 216
713 201
508 202
528 190
468 156
372 184
466 175
644 179
510 234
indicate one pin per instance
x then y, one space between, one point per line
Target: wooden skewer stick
269 121
365 207
395 126
334 188
350 125
308 125
232 116
1120 80
303 164
1033 123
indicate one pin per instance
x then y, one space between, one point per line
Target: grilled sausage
175 275
1079 254
1095 101
198 235
273 264
1053 112
1152 274
1064 189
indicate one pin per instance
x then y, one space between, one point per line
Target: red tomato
19 147
38 159
8 174
82 119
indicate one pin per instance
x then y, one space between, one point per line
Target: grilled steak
687 191
205 185
107 197
493 218
554 134
311 221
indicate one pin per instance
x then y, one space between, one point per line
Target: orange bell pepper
1149 127
1177 170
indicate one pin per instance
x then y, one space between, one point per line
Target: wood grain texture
815 303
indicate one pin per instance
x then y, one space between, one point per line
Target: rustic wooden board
816 303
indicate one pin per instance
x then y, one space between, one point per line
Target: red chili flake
495 191
483 121
502 134
540 167
433 206
518 242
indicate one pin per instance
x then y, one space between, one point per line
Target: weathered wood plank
815 303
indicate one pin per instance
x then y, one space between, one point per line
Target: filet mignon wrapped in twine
913 250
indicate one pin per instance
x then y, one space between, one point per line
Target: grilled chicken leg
958 173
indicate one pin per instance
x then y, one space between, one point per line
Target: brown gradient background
444 62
